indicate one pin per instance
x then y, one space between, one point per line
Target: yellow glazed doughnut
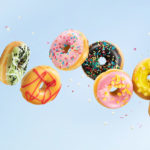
30 86
13 62
141 84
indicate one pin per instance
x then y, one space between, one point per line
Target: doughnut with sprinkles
69 50
102 49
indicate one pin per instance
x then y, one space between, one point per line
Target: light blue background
70 122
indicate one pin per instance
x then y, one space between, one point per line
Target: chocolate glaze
92 67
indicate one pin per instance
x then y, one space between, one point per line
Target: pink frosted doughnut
69 50
113 78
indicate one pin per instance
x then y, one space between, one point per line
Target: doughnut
40 85
69 50
113 78
141 84
13 62
106 50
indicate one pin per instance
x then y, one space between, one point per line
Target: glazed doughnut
69 50
102 49
30 86
113 78
13 62
141 84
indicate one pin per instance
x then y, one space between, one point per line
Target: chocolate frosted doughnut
102 49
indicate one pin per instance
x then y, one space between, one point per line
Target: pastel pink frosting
119 80
59 57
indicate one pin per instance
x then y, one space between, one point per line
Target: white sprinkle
33 33
113 112
89 100
131 127
70 79
19 17
105 123
78 84
148 33
82 76
8 29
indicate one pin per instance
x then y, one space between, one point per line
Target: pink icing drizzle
70 38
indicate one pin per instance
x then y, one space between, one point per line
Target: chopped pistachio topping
17 63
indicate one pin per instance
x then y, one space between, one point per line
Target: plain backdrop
74 120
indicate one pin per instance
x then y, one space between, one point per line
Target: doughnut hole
148 77
102 60
41 86
66 48
114 90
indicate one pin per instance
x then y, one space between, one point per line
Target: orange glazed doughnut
30 86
